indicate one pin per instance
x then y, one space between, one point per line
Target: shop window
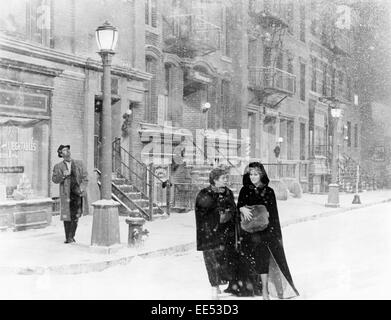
24 158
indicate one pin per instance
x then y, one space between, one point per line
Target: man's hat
59 150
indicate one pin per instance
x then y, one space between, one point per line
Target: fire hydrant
136 233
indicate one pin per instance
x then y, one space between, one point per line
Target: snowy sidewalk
42 250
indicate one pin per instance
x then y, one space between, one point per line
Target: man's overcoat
78 181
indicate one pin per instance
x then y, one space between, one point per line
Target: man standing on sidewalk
72 177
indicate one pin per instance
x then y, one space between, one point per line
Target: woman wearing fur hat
216 213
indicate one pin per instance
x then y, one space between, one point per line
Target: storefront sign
21 146
15 98
18 169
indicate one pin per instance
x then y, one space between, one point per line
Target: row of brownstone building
266 66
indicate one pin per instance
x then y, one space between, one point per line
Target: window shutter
154 13
147 11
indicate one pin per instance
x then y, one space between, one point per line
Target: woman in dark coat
216 212
263 251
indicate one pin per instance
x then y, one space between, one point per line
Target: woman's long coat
81 179
209 204
280 279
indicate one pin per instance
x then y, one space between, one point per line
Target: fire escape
190 35
270 84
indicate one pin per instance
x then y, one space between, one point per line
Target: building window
348 89
39 21
290 139
251 129
313 76
290 65
24 158
349 134
356 135
225 100
267 56
313 27
302 81
324 79
340 84
226 20
151 94
332 71
302 22
290 15
167 77
290 84
279 63
311 127
27 20
302 141
151 13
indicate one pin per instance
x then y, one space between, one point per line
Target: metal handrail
139 162
123 193
145 183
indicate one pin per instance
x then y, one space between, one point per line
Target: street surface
346 256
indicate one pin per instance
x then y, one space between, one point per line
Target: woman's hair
215 174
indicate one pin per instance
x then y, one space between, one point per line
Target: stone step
126 188
119 181
134 195
141 202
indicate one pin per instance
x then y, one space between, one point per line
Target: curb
103 265
331 213
95 266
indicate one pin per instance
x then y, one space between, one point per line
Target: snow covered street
346 256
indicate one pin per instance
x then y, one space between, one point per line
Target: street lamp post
333 196
105 226
204 118
205 108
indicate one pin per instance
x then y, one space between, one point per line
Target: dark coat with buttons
209 206
73 189
279 275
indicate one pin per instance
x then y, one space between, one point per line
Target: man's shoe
73 240
68 241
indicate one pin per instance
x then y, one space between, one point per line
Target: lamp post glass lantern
106 37
105 225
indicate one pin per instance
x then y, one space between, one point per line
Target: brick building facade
50 73
259 65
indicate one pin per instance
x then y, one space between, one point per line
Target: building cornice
29 67
32 50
